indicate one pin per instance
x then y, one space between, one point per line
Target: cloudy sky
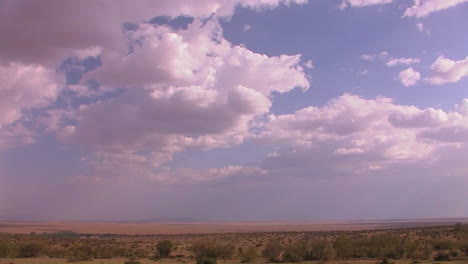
233 110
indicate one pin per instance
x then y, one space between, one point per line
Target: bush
211 249
58 252
7 249
207 260
385 261
251 254
443 244
343 247
442 256
319 250
294 253
132 261
165 248
273 251
31 250
81 253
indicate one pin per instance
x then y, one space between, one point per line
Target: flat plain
143 228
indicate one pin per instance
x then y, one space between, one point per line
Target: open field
144 228
362 242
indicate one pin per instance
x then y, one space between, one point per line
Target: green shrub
32 250
206 260
250 255
81 253
294 253
165 248
273 251
319 250
443 244
211 249
8 249
132 261
58 252
442 256
343 247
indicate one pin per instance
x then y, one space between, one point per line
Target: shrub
81 253
385 261
343 248
132 261
251 254
211 249
319 250
442 256
165 248
207 260
273 251
104 252
295 253
7 249
443 244
31 250
58 252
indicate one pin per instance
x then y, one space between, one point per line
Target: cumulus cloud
422 8
445 70
409 77
23 88
356 136
186 88
64 32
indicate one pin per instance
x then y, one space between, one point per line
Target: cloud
389 61
402 61
409 77
182 89
24 88
63 31
422 8
371 57
308 64
355 136
362 3
445 70
246 27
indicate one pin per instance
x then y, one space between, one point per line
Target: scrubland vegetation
377 246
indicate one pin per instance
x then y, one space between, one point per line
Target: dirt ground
206 228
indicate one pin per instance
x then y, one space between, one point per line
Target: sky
233 110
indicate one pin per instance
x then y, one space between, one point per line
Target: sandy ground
205 228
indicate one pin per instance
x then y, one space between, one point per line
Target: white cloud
63 31
402 61
371 57
389 61
356 136
362 3
184 89
445 70
23 88
309 64
422 8
409 77
246 27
